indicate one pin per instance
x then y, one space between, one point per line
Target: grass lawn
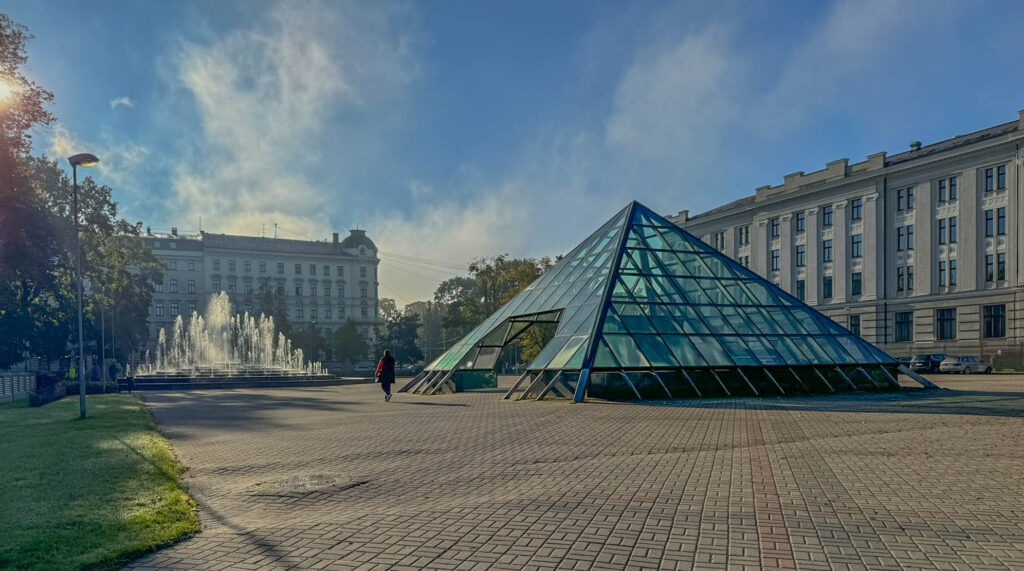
87 493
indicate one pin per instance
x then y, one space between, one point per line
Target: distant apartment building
321 283
917 252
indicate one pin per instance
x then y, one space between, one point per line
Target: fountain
220 348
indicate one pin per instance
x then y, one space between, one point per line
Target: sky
457 130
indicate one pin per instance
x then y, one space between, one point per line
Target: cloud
270 99
677 96
121 101
121 164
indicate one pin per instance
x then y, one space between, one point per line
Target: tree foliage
400 333
349 344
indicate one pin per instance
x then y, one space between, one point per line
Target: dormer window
362 250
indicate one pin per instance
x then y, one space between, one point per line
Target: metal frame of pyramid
645 310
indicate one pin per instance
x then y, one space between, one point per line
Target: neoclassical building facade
321 284
918 252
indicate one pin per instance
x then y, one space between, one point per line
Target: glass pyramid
642 296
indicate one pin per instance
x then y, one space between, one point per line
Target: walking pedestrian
386 373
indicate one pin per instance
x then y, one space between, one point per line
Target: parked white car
964 365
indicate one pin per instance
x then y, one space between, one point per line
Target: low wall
16 386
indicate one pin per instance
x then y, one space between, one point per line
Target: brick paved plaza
335 478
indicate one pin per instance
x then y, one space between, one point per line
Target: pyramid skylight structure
646 310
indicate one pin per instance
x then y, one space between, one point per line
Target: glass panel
763 351
663 320
689 319
716 292
737 319
604 358
762 293
655 351
626 351
684 351
576 361
787 323
760 319
738 350
712 351
717 267
787 350
487 358
612 322
806 318
692 290
738 293
548 352
834 349
714 319
854 349
567 351
634 318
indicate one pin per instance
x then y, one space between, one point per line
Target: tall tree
399 334
349 344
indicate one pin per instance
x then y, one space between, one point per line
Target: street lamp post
83 160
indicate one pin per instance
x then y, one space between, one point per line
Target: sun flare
5 90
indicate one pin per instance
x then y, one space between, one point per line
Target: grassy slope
90 493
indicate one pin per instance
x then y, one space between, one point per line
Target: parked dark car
926 363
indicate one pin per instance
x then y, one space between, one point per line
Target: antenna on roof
200 222
275 230
263 230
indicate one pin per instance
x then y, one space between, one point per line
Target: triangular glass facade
642 296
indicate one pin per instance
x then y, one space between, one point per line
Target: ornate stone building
321 284
918 252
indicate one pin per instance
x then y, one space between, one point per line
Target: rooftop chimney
1020 124
683 215
335 237
174 231
149 231
915 146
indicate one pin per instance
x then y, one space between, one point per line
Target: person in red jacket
386 373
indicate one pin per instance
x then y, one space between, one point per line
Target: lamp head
84 160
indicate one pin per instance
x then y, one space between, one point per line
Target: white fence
15 386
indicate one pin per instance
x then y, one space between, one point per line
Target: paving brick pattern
912 480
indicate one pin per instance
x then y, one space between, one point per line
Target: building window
341 290
327 290
172 264
801 290
231 265
174 308
363 311
1001 177
327 270
298 289
362 271
990 223
989 180
945 323
1001 266
942 274
742 235
341 311
231 287
216 286
942 190
942 230
159 310
952 229
298 269
718 241
775 260
263 267
952 188
191 308
745 260
826 216
910 237
216 264
312 290
856 210
826 287
280 267
856 283
901 239
341 271
801 256
159 288
901 199
775 227
190 286
262 287
910 200
327 313
910 278
952 272
904 326
174 286
900 279
362 292
312 313
246 287
995 321
191 265
1001 221
854 325
298 312
801 221
826 251
312 269
247 266
856 245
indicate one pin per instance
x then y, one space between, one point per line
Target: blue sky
452 130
